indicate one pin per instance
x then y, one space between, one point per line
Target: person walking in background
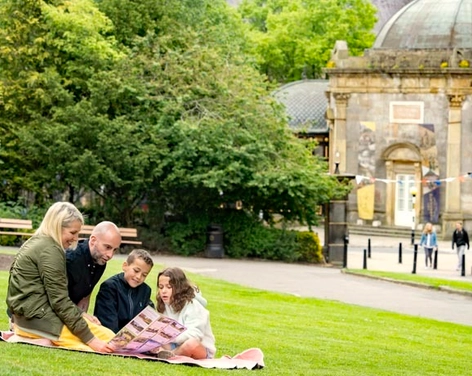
124 295
460 239
429 242
178 299
37 293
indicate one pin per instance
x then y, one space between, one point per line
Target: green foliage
119 103
293 39
309 245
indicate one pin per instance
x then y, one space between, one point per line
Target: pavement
325 282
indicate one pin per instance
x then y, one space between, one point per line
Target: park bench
128 235
16 227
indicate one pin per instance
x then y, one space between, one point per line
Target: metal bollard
346 241
415 256
400 253
368 248
365 259
463 266
435 261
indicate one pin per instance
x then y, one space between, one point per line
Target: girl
429 242
179 300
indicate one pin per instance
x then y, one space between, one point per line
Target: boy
124 295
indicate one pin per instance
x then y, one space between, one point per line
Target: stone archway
402 159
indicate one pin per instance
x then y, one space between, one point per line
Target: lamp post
413 192
336 162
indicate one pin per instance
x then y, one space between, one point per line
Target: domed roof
385 10
429 24
305 103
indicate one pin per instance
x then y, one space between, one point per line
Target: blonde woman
429 242
37 293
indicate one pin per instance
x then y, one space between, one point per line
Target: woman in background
429 242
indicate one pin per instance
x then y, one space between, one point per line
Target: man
86 264
460 239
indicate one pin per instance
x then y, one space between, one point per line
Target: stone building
400 117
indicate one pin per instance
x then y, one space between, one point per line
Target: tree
159 102
293 39
49 52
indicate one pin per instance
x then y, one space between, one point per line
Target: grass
299 336
415 278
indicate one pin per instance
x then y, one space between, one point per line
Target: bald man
86 264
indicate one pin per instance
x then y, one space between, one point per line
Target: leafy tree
49 52
293 39
159 102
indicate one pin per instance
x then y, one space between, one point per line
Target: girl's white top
196 318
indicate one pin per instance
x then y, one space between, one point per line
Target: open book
148 330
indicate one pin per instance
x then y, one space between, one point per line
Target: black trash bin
214 244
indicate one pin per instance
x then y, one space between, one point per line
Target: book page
148 330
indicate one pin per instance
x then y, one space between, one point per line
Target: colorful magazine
147 331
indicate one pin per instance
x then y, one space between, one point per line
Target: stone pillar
339 141
336 227
452 199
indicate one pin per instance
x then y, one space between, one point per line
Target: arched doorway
403 167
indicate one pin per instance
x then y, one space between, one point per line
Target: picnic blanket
249 359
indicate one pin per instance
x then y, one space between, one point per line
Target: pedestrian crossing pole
413 192
463 265
415 256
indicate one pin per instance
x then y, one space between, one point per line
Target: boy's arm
106 306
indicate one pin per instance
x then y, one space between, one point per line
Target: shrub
309 247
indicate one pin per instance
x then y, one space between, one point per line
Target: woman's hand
100 346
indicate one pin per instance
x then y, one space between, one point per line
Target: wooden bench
10 226
127 234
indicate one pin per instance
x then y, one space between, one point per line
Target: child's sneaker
165 354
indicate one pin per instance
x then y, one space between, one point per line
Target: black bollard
415 256
400 253
368 248
365 259
435 262
463 265
346 239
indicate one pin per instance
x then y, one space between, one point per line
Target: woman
429 242
37 287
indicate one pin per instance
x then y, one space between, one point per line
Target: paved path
330 283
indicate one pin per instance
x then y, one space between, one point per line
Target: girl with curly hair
178 299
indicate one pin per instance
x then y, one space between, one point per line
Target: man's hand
100 346
84 304
91 318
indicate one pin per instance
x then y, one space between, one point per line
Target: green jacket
37 291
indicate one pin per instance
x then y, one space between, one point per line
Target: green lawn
299 336
415 278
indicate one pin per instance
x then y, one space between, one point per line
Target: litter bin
214 244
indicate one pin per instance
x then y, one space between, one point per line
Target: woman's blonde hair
59 215
428 228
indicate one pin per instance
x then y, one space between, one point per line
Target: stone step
394 232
